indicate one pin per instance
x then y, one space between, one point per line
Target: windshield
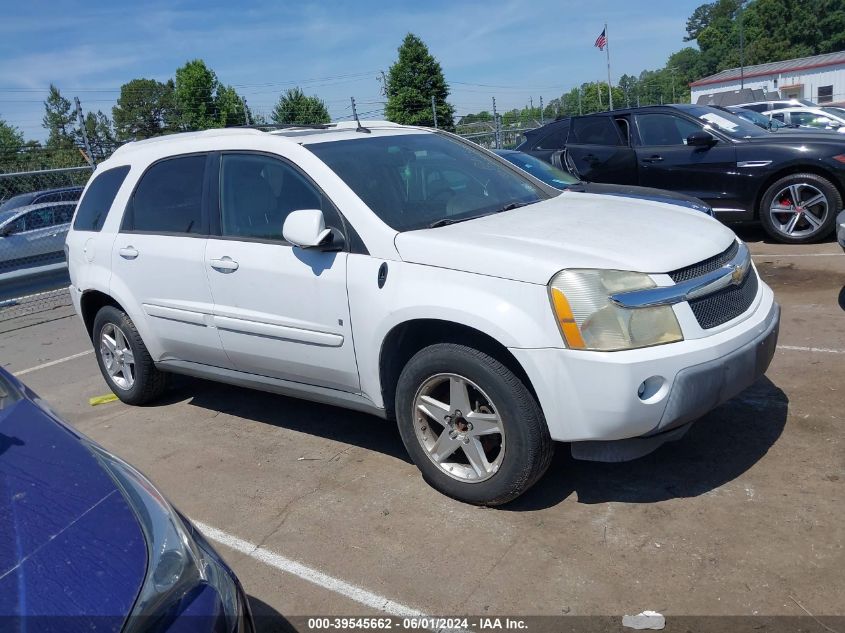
20 200
727 123
839 113
412 181
540 169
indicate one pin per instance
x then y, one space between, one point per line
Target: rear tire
800 208
486 451
124 360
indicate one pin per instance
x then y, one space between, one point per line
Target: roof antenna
360 127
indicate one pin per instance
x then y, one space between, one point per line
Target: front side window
810 119
595 130
411 181
555 140
258 192
168 198
98 199
664 129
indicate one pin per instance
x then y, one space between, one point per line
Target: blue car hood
71 549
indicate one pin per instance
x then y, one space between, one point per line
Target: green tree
58 120
231 107
411 82
11 143
145 108
195 92
101 138
296 108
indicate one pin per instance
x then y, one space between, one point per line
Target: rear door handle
653 159
128 252
224 264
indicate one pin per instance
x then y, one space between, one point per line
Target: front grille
705 266
726 304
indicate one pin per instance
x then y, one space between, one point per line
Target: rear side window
600 130
168 198
98 199
556 139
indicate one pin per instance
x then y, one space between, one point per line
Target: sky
513 50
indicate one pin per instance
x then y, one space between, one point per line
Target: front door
281 311
667 162
158 263
598 152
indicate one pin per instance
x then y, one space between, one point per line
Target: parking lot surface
743 516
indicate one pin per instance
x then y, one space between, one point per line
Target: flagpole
607 50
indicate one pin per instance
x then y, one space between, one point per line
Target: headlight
589 320
176 564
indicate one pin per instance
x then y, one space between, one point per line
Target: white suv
411 274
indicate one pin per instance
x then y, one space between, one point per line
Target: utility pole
497 137
542 122
246 112
434 111
383 83
579 101
82 132
741 49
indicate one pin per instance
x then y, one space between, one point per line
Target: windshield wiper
448 221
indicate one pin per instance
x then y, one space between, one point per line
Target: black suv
794 184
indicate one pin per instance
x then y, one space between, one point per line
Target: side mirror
306 228
701 139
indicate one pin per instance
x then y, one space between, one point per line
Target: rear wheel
470 425
123 358
800 208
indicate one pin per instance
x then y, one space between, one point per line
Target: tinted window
599 130
555 139
258 192
825 94
63 215
810 119
665 129
168 199
413 180
98 199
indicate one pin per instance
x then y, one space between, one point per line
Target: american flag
601 40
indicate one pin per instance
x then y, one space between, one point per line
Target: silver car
840 229
34 235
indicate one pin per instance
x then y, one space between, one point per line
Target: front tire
123 358
800 208
470 425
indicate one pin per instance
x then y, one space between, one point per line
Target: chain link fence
36 208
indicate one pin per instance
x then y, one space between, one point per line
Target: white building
820 78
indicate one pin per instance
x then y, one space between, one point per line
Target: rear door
597 150
158 265
667 162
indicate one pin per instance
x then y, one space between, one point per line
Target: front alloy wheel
458 426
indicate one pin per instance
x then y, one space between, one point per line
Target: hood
572 230
644 193
69 543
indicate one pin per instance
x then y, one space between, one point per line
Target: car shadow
718 448
753 232
267 619
334 423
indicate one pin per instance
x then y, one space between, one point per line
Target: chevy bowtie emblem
737 274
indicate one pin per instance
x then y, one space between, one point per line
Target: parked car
812 118
560 179
793 183
840 229
61 194
408 273
87 543
765 106
34 235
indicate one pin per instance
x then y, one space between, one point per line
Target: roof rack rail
286 126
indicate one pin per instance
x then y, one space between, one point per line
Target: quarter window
168 199
664 129
258 192
98 199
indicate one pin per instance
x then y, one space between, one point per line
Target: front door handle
656 158
128 252
224 264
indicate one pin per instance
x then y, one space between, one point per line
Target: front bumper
608 396
840 229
